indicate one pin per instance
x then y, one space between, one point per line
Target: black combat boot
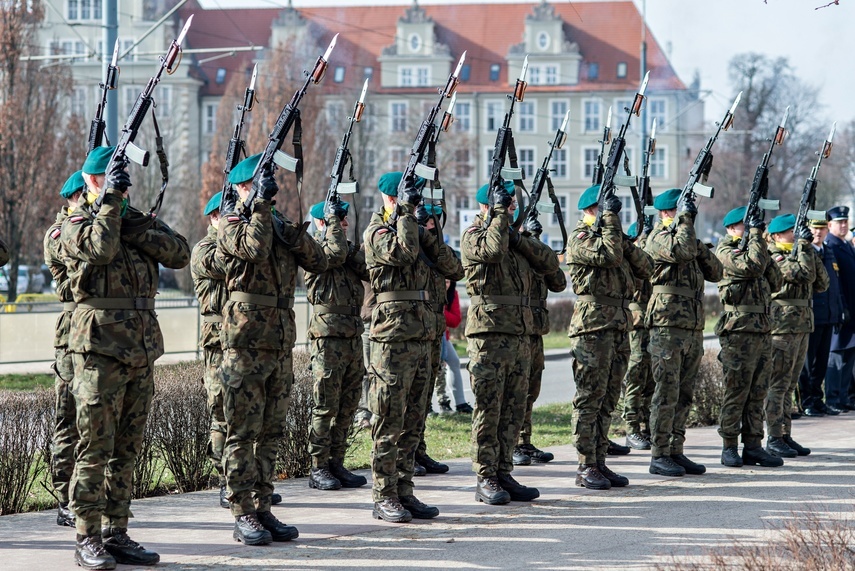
125 550
224 496
616 449
800 450
430 465
517 491
489 491
520 458
537 455
90 553
588 476
417 508
756 456
249 531
778 447
665 466
730 457
64 515
419 470
347 478
278 530
321 479
616 480
275 499
391 510
691 467
637 441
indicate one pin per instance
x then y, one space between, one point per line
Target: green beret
97 160
214 203
781 223
244 170
72 185
632 228
483 194
667 200
434 209
735 216
388 183
589 197
317 210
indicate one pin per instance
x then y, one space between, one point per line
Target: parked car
27 282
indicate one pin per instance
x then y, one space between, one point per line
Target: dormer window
494 72
621 69
543 41
593 71
464 72
415 42
338 75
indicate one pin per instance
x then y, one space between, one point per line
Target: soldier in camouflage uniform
114 339
750 278
257 337
499 264
603 268
447 266
792 324
675 316
65 418
335 334
403 325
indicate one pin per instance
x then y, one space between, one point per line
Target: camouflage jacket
259 264
541 285
394 265
681 261
103 263
56 264
340 285
802 277
447 266
4 253
605 266
750 278
209 280
493 268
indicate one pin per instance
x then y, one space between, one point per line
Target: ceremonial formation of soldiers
378 313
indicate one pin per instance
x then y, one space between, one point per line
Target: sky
704 34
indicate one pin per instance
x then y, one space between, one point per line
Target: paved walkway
651 521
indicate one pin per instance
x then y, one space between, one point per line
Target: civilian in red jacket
452 382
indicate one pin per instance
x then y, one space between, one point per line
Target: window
593 71
125 45
163 98
534 75
557 110
562 201
72 10
591 112
621 69
627 211
494 72
209 118
494 115
461 202
464 72
423 76
129 97
559 163
68 47
589 160
526 117
556 245
546 74
542 40
368 169
83 9
369 118
658 163
525 157
338 76
551 74
409 76
398 116
405 78
462 168
488 164
78 102
221 76
368 201
657 109
335 113
619 110
367 73
415 42
397 158
462 117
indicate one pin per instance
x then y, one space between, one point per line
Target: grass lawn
554 340
25 382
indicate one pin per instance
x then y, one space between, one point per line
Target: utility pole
111 33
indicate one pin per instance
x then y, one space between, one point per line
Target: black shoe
756 456
813 411
224 497
347 478
521 458
64 515
125 550
537 455
419 470
322 479
517 491
637 441
616 480
777 447
800 450
419 509
430 465
278 530
690 467
848 405
795 415
489 491
391 510
445 410
431 412
832 410
666 466
249 531
275 499
90 553
730 457
588 476
464 408
616 449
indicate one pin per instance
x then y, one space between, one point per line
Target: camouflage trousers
638 383
599 365
435 366
65 425
113 401
399 374
788 355
214 389
256 390
499 366
535 378
337 370
745 359
675 355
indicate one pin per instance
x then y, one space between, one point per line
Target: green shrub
26 428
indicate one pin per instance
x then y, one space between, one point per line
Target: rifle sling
140 225
558 213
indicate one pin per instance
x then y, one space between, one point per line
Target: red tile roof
607 33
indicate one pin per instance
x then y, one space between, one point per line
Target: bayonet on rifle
808 201
97 128
599 169
237 146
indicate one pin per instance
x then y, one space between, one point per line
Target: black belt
522 301
337 309
407 295
605 300
265 300
138 303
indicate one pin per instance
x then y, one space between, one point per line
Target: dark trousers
815 367
839 377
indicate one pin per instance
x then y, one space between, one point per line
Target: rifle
541 179
125 148
758 203
599 169
98 126
237 146
808 202
289 117
435 193
505 145
610 178
644 206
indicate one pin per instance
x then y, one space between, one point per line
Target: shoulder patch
472 229
382 231
76 219
664 232
582 235
780 258
55 233
233 218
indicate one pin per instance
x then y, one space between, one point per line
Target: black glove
117 177
613 204
422 215
533 226
514 237
688 205
755 222
334 208
805 234
229 202
411 195
500 196
266 186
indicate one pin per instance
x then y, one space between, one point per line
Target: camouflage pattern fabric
788 356
435 352
535 380
4 253
745 359
214 389
638 384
